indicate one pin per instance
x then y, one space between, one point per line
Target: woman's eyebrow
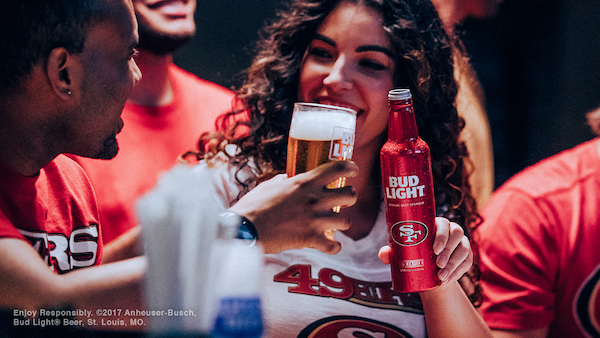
365 48
325 39
374 48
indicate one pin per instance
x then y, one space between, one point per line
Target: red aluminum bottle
409 199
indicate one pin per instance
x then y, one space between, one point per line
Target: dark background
538 62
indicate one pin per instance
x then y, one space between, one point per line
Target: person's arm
448 311
123 247
293 213
519 296
288 213
27 282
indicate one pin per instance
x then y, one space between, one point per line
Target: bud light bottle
407 184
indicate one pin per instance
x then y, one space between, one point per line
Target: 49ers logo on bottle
409 233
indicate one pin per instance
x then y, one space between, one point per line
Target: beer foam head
312 121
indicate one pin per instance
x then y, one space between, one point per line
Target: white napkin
179 220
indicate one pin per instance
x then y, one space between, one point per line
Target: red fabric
55 211
149 144
539 247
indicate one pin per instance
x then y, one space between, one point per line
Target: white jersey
307 293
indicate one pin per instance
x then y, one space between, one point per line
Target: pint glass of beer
318 134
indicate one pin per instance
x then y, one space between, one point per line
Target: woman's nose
340 75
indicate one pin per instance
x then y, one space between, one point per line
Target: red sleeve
518 262
7 229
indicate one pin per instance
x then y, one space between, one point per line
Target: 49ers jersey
55 211
308 293
539 247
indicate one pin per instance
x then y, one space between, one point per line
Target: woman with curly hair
350 53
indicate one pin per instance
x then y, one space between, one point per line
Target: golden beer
320 134
305 155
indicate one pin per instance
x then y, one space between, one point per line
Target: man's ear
58 70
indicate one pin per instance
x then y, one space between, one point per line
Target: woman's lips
337 103
172 7
340 104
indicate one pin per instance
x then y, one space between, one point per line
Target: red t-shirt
55 211
539 247
149 144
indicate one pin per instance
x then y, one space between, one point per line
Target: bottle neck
401 123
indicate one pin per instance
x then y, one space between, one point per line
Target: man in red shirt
164 117
540 263
69 70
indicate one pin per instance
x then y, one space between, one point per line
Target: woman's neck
364 213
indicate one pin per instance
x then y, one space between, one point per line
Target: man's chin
162 44
109 150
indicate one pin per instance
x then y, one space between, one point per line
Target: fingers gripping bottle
407 184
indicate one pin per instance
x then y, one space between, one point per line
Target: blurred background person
454 12
162 118
470 100
541 279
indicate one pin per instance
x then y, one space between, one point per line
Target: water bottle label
239 317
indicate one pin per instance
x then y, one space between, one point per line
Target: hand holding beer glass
319 134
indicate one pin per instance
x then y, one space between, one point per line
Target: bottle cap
229 223
399 94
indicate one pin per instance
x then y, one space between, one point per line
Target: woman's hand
293 213
453 250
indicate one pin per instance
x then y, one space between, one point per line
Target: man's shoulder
67 175
558 172
65 165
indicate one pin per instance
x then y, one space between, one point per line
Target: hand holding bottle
453 251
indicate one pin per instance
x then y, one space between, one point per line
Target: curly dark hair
424 56
31 29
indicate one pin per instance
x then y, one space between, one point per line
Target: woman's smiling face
349 63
